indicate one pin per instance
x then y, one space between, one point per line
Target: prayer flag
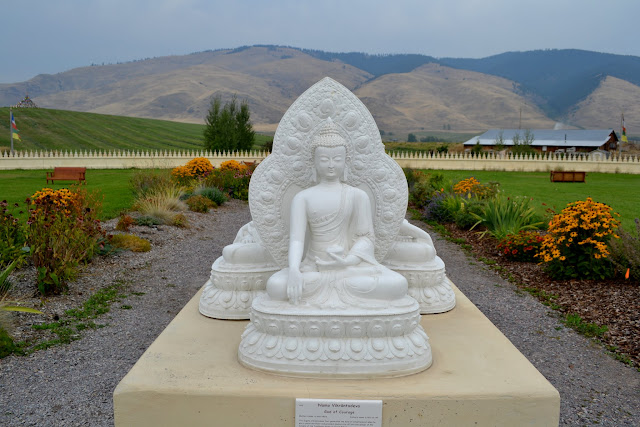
13 122
14 128
624 133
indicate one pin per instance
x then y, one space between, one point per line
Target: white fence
443 161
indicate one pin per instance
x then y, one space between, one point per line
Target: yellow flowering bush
200 167
576 243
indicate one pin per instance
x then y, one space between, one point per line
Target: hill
435 97
603 107
557 79
405 93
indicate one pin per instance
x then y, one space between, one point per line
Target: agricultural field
47 129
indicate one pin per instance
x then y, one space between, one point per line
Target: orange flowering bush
62 230
48 198
200 167
523 246
233 165
576 243
472 187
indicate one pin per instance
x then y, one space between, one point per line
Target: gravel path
73 384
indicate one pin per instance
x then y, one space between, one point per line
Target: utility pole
520 121
11 129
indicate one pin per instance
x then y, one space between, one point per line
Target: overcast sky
51 36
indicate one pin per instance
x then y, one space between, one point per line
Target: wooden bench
67 174
557 176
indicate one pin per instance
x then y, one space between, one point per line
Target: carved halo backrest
288 169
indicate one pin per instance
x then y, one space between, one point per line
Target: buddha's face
330 162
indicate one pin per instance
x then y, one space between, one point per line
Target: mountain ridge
534 89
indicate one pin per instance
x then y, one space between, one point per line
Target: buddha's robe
347 230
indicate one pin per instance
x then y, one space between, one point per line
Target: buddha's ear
345 172
314 176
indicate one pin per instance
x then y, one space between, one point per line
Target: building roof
546 137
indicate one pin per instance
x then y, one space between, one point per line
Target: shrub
12 239
423 186
523 246
200 167
443 207
231 181
625 253
576 243
466 217
212 193
505 215
7 346
471 187
62 230
200 204
233 165
148 221
180 220
130 242
124 223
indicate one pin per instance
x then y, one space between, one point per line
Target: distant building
545 140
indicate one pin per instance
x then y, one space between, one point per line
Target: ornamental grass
503 216
576 245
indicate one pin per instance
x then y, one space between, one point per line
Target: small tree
412 138
476 150
228 127
499 142
522 145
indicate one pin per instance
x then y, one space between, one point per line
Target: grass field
616 190
112 184
46 129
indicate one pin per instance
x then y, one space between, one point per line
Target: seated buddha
331 239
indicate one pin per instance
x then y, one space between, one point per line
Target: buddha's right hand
295 283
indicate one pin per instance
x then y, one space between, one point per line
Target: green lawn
620 191
617 190
112 184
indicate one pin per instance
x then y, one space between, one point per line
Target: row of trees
521 144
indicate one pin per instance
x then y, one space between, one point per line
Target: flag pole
11 130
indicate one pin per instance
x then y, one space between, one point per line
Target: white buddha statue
328 204
335 221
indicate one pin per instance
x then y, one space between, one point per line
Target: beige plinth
190 376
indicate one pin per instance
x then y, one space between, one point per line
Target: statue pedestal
191 376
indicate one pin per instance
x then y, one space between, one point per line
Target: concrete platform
190 376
